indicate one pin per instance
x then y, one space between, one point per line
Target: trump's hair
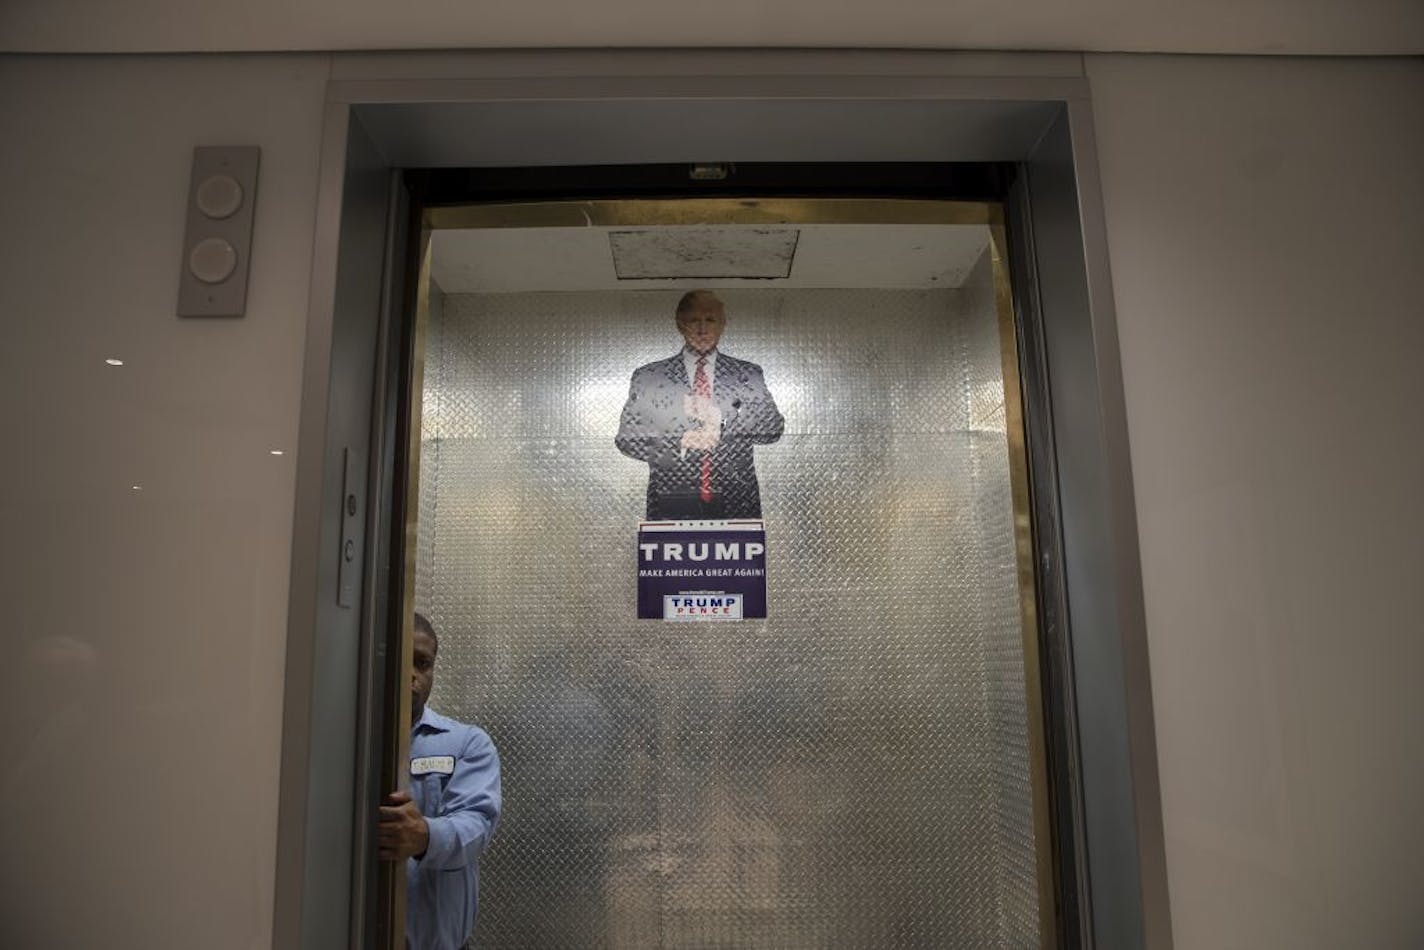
694 298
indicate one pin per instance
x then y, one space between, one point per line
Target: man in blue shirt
442 826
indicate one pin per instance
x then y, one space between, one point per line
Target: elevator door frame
539 109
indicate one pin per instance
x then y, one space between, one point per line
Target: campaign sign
710 606
701 570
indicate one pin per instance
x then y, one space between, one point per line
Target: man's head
422 668
701 320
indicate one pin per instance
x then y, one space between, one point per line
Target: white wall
141 661
1266 226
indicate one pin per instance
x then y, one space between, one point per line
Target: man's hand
402 832
705 437
703 440
704 410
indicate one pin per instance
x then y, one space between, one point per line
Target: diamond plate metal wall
852 771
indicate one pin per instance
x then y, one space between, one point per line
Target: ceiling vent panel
703 253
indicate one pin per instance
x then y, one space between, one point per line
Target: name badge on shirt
433 765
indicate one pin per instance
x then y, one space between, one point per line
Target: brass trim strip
401 745
1028 600
665 212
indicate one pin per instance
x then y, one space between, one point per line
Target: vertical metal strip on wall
396 769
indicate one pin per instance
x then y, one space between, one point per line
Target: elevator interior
864 768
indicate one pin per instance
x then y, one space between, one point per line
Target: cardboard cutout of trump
694 418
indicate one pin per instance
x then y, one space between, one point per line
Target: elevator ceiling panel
703 253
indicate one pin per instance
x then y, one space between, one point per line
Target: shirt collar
430 719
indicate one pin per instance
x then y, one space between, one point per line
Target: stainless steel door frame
637 107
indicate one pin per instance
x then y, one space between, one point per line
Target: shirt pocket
432 793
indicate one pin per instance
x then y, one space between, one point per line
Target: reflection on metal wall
851 772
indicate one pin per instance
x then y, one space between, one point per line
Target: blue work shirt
454 782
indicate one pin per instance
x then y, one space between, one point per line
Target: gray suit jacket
654 419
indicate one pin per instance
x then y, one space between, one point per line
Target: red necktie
702 388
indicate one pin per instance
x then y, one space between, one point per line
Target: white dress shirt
689 359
